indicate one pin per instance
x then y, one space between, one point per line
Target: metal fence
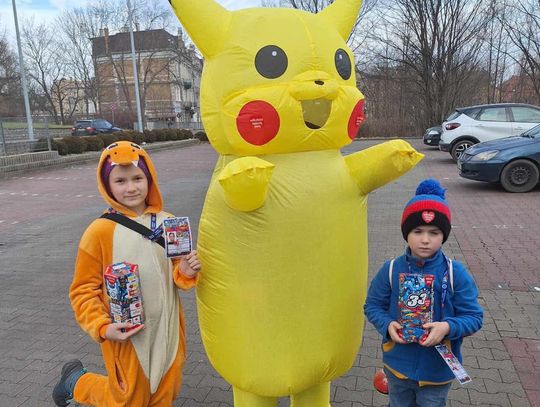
163 124
15 137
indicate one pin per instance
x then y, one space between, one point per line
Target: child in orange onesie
144 364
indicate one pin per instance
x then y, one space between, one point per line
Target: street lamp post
135 71
23 76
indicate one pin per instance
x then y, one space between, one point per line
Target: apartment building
169 75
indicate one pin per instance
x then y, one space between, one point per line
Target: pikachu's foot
244 399
316 396
245 183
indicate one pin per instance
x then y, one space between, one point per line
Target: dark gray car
91 127
432 136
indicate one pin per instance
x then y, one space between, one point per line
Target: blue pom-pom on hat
430 186
427 207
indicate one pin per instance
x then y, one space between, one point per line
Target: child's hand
190 264
118 331
393 331
437 331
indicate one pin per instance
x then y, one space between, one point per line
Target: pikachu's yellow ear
342 15
205 21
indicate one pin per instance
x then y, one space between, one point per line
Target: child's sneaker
63 391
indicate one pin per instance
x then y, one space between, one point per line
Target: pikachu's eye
271 62
343 64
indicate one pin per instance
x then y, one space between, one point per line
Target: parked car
470 125
432 136
92 127
512 161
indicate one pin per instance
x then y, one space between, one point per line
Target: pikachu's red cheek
258 122
356 119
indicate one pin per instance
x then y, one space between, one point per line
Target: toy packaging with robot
124 291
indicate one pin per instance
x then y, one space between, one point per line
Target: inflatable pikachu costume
283 233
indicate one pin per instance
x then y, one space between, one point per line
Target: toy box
124 291
415 305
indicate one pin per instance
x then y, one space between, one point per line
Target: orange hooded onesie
146 370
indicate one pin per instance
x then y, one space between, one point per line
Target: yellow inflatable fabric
283 233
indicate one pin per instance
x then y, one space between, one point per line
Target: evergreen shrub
201 135
94 143
60 146
75 145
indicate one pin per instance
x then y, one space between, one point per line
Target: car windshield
532 133
104 124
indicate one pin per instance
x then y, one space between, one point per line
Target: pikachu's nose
313 85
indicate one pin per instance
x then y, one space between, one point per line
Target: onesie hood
128 153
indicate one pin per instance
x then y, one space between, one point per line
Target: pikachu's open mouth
316 112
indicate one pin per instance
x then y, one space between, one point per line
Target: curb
59 161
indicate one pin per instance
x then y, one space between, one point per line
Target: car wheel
459 148
519 176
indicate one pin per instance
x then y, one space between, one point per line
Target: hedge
78 145
201 135
75 145
60 146
94 143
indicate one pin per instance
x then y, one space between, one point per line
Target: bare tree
10 91
150 69
523 29
152 14
361 29
78 26
46 65
497 43
438 44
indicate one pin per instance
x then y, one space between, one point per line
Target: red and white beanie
428 207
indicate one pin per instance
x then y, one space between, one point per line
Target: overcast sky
47 10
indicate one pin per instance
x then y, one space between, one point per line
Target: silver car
474 124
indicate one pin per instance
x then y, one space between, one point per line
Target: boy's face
129 186
424 241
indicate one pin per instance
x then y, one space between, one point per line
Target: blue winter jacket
461 311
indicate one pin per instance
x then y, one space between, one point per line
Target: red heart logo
428 216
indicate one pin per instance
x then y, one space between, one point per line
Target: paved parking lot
45 212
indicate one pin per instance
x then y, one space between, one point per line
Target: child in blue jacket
417 374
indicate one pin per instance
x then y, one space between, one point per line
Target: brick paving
494 233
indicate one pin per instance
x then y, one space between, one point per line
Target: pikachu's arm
378 165
245 183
